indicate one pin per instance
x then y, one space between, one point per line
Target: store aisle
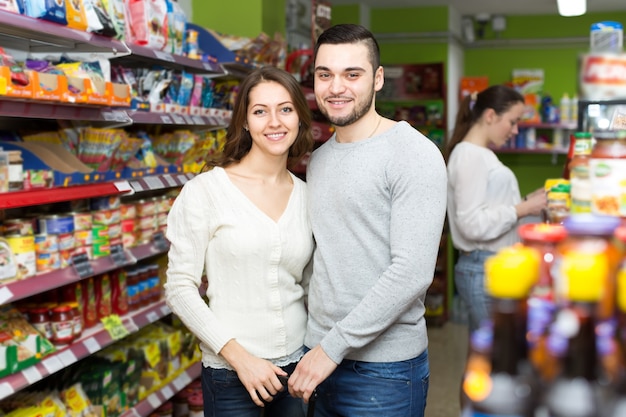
447 351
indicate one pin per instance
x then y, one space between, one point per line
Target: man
377 201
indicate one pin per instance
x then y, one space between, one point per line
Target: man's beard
358 112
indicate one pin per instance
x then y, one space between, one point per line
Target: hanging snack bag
177 27
76 17
100 10
148 23
52 10
93 22
117 13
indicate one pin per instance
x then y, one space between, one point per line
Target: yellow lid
512 272
584 275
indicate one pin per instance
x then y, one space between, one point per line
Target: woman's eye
287 110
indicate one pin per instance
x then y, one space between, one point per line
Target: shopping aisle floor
447 351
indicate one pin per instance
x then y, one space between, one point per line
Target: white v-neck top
254 267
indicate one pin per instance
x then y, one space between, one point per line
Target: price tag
132 326
159 242
137 185
154 183
5 295
113 324
154 401
166 119
52 364
198 120
6 389
152 316
167 391
188 119
164 56
165 310
92 345
82 266
118 255
32 374
67 357
170 181
178 119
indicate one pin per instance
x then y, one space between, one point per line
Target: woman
484 202
244 223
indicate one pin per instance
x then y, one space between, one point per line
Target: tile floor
447 351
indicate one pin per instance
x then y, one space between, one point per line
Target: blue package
52 10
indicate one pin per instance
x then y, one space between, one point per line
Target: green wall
241 17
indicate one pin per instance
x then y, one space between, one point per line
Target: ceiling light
569 8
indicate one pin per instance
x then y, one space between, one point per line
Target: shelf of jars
92 340
23 288
162 395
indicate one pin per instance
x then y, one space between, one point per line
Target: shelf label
123 186
198 120
67 357
167 392
152 316
178 119
113 324
118 255
82 266
6 389
52 364
32 374
92 345
154 401
5 295
188 119
170 181
159 242
153 183
116 116
165 310
166 119
137 185
164 56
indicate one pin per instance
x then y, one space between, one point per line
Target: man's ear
379 78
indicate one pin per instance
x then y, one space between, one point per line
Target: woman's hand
533 204
258 376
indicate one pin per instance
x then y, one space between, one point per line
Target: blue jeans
225 396
375 389
469 278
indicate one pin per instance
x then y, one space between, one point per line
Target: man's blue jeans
225 396
375 389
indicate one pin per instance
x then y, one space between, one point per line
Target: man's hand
313 369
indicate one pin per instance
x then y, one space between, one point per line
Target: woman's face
272 119
504 126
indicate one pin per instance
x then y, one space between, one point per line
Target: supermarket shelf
154 400
91 341
140 55
553 126
38 196
558 151
321 131
17 290
41 36
52 110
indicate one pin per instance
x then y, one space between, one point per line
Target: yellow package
76 16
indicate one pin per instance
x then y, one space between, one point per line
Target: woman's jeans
225 396
375 389
469 278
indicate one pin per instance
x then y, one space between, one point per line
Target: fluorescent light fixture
569 8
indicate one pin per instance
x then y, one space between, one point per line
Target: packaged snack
76 17
52 10
148 23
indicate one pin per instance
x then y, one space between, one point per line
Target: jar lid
583 135
62 308
591 224
195 399
542 232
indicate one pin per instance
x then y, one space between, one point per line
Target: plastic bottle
577 391
510 388
574 110
565 109
580 183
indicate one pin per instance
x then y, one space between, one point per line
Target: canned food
129 239
106 216
56 224
66 241
161 219
65 256
128 211
129 225
87 249
22 227
146 208
110 202
46 243
47 261
100 232
115 230
101 249
23 248
82 221
147 222
83 237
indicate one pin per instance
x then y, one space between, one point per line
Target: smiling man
377 201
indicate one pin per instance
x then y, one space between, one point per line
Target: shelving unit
40 38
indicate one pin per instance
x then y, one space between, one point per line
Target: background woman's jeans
469 278
375 389
225 396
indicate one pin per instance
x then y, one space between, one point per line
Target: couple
322 283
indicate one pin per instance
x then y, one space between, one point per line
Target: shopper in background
484 202
245 223
377 196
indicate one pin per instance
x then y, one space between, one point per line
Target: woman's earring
245 128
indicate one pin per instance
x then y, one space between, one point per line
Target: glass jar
580 184
607 173
196 405
62 321
39 317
